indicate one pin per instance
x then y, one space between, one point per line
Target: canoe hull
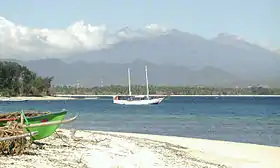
15 116
44 131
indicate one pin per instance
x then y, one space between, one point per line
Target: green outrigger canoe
45 124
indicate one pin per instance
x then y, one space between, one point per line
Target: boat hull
4 118
139 102
44 131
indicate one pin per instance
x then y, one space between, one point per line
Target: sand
40 98
94 149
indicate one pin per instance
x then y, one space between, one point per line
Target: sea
238 119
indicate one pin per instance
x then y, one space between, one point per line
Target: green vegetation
18 80
167 90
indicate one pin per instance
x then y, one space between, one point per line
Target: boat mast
147 81
129 83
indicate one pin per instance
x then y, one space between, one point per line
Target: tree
16 79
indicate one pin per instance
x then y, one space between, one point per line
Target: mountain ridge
241 59
91 74
82 48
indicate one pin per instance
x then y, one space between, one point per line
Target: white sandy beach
95 149
48 98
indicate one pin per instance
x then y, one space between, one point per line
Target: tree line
166 90
18 80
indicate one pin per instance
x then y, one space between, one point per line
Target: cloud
21 42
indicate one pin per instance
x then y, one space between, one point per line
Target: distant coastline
89 97
166 90
24 98
225 95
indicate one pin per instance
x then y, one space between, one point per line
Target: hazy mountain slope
116 73
90 74
85 42
251 62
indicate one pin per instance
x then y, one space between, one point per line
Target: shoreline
68 95
86 97
25 98
87 148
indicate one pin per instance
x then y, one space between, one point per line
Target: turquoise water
239 119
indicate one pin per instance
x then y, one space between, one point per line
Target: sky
256 20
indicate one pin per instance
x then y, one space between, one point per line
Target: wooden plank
18 136
50 123
21 118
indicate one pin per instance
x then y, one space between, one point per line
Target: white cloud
21 42
17 41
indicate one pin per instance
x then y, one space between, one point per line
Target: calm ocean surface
239 119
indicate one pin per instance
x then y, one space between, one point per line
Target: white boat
137 99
